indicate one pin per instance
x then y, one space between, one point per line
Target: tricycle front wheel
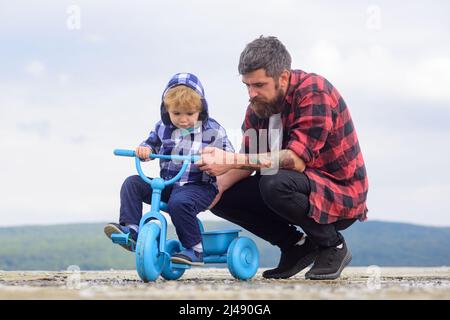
149 260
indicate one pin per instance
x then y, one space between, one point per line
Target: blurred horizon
59 247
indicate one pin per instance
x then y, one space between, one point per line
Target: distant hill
58 246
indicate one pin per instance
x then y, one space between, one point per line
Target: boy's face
182 118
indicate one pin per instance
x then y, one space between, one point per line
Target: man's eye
259 85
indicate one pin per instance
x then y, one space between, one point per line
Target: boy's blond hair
183 98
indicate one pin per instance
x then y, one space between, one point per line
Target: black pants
270 207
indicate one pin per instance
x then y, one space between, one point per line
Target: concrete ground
200 283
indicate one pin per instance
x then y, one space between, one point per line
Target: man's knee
272 188
285 181
274 185
286 193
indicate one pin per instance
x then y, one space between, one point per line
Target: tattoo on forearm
287 162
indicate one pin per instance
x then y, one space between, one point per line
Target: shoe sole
183 261
111 229
302 264
331 276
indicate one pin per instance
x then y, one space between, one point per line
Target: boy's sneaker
293 260
188 256
112 228
330 263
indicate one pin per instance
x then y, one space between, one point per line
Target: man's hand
144 153
215 162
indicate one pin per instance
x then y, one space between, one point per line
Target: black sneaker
330 263
293 260
112 228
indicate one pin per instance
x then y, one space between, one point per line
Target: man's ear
284 79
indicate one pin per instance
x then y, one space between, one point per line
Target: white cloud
94 39
429 79
375 69
63 78
36 69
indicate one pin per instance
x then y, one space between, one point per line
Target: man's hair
266 53
183 97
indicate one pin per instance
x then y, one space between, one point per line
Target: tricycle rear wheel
168 273
243 258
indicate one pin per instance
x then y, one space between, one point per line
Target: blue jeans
184 203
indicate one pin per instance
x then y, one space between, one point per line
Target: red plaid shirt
317 126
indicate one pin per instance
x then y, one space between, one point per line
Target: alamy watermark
254 143
373 21
73 21
73 280
374 279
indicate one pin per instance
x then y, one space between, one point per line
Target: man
318 179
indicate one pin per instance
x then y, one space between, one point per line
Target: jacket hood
191 81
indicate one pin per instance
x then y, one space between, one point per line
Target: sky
81 78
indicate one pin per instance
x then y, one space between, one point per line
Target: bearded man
309 175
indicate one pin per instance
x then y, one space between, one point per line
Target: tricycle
153 249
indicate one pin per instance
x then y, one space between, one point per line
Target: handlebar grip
124 153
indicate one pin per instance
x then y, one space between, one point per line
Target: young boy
185 128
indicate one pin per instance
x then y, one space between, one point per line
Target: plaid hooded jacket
167 139
317 126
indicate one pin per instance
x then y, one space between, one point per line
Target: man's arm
284 159
217 162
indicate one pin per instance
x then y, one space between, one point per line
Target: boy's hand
144 153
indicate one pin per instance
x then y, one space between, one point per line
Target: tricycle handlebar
132 153
124 153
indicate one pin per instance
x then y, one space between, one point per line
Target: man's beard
265 109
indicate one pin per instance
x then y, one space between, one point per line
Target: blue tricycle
153 250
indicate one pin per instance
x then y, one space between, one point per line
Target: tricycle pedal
120 238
